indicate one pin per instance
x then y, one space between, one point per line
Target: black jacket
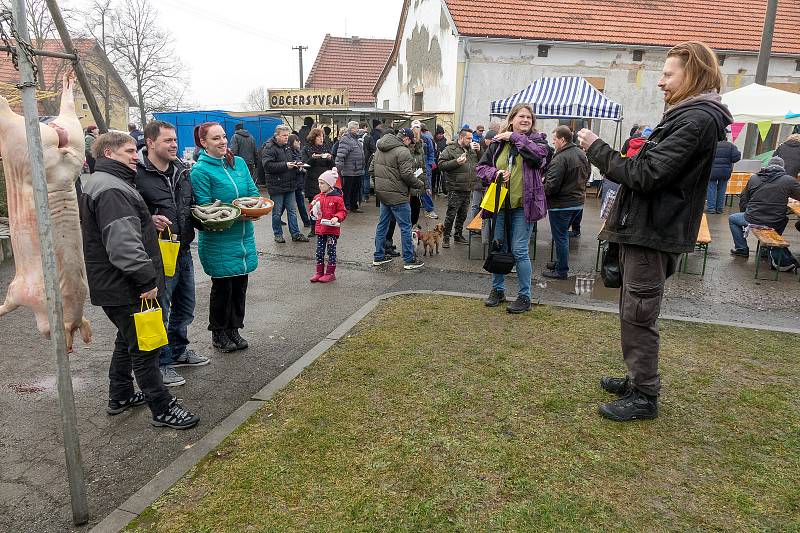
369 145
120 245
244 145
764 199
318 166
790 153
663 188
727 155
566 177
168 195
280 178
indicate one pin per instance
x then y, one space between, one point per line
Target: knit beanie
439 130
330 177
776 162
375 122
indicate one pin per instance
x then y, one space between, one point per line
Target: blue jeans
737 223
365 184
520 240
402 214
715 198
427 202
178 308
560 221
283 201
301 206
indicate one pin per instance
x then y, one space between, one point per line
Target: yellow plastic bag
149 322
169 252
489 198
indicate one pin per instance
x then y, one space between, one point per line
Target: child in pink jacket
329 211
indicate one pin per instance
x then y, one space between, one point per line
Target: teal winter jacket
231 252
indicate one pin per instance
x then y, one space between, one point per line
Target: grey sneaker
520 305
170 377
431 214
190 358
175 417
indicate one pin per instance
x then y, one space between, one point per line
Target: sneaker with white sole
175 417
170 377
116 407
190 358
413 265
431 214
383 261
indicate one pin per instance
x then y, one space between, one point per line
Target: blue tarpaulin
260 126
565 97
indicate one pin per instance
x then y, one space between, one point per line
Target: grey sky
233 46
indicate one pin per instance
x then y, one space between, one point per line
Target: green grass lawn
438 414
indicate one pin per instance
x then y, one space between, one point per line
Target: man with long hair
657 213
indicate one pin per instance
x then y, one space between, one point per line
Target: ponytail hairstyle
701 70
200 133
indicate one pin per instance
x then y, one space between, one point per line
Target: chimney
355 39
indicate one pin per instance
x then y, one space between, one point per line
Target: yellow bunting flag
763 128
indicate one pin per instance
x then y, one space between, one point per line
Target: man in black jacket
565 187
369 146
280 169
124 268
244 145
763 203
163 182
657 213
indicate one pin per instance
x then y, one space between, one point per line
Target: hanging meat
63 149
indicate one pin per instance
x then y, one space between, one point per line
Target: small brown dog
431 239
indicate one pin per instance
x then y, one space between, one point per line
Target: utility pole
762 70
300 49
55 310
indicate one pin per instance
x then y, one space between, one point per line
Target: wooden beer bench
768 239
702 242
736 185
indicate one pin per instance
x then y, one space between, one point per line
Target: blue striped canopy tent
565 97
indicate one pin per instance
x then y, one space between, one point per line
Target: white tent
759 103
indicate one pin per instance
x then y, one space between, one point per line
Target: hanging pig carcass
63 150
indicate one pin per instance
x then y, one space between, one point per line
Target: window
544 50
386 104
85 106
418 100
638 55
797 65
721 59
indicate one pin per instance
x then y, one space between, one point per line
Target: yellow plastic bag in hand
150 331
489 198
169 252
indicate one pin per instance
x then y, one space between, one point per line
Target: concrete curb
144 497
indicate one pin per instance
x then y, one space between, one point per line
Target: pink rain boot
330 275
320 273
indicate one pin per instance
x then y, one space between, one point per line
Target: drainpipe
464 83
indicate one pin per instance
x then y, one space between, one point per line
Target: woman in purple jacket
518 157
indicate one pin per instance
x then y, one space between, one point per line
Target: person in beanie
459 160
437 177
763 203
329 212
657 213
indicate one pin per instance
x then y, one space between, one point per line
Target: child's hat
330 177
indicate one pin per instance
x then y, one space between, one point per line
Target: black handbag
610 269
498 261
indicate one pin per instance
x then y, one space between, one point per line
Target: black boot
618 386
236 339
520 305
220 340
636 405
494 299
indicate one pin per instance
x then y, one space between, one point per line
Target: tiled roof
722 24
54 68
351 63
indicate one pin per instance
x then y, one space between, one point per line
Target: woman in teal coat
227 256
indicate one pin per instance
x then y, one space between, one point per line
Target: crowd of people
665 176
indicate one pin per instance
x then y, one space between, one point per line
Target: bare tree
256 100
145 54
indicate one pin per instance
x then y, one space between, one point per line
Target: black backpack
782 259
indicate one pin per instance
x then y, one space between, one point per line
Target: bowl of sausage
254 206
216 216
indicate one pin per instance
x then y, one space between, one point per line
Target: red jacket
332 205
635 145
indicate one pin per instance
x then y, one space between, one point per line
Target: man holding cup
458 160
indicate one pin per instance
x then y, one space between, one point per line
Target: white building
453 57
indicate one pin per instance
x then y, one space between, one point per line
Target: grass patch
438 414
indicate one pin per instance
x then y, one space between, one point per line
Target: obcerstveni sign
308 98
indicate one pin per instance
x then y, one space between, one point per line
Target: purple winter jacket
536 155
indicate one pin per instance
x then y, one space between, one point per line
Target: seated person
764 203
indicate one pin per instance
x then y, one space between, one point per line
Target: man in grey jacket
244 145
350 164
393 169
